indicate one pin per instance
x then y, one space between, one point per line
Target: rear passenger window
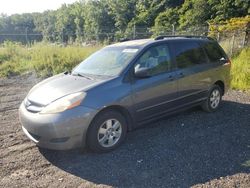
213 51
188 54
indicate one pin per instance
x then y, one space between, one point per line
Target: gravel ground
190 149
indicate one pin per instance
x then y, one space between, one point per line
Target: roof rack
124 39
184 36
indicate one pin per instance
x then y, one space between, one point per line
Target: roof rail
124 39
184 36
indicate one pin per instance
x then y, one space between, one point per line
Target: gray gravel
192 148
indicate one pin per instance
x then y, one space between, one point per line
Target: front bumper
61 131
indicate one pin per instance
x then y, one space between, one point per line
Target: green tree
45 23
122 11
17 24
146 12
77 10
65 23
194 13
99 19
98 23
226 9
165 21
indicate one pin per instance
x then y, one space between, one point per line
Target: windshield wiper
67 72
82 75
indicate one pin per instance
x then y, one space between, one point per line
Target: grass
240 70
45 59
48 59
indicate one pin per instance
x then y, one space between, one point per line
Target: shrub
45 59
240 71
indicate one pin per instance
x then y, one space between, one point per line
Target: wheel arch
221 85
122 110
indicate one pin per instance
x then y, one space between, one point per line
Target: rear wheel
107 131
214 99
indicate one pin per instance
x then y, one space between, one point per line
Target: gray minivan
123 86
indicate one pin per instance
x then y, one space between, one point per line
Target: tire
106 126
212 103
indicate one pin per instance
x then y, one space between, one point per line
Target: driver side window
156 59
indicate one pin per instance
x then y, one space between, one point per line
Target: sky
28 6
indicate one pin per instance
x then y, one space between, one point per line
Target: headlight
64 103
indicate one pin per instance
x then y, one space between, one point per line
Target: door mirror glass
142 72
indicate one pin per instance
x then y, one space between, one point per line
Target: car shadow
179 151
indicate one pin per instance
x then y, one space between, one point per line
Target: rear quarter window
214 51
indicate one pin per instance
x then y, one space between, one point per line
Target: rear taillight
228 62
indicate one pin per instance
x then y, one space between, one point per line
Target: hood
58 86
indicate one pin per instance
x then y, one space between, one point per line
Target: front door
155 94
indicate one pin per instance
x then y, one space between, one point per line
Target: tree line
88 20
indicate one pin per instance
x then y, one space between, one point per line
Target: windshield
106 62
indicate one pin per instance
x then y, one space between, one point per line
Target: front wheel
107 131
214 99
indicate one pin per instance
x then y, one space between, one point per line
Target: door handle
181 74
171 78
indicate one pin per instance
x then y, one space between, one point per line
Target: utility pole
173 29
244 38
232 46
208 29
26 35
134 32
62 35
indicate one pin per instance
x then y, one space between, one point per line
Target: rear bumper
61 131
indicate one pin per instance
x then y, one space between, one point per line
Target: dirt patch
192 148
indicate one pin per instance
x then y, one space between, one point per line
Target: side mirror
142 73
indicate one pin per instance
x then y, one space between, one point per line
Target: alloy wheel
109 133
215 98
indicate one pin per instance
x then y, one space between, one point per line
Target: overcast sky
27 6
